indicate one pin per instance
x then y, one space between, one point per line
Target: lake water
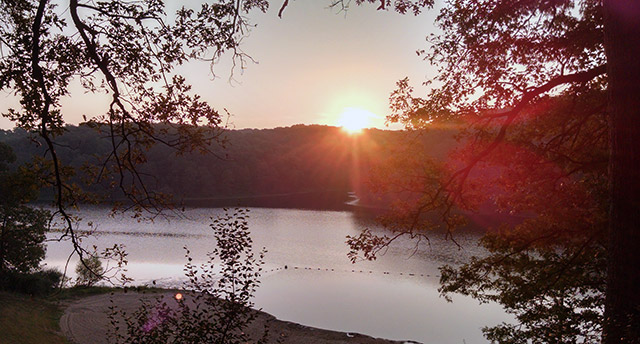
394 297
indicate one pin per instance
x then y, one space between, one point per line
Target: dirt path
85 321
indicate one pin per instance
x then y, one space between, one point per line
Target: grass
29 320
25 319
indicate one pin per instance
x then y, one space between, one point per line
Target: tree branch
284 5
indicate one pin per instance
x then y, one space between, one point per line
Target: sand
85 321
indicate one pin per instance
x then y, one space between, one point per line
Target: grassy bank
29 320
25 319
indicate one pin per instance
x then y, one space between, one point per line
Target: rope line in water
352 271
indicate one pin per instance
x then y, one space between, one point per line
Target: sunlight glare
353 120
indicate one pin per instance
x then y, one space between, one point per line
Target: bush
218 309
39 283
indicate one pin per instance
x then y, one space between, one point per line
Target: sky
312 66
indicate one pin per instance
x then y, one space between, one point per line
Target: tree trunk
622 47
3 229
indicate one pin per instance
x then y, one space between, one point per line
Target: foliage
496 56
129 50
39 283
400 6
551 268
22 238
22 228
524 83
90 271
216 307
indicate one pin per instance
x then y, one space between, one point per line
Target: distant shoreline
312 200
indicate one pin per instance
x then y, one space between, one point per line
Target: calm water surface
394 297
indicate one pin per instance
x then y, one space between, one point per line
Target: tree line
282 166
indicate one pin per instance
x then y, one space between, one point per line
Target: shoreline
84 319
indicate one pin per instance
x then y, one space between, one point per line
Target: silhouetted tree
217 306
22 229
544 87
129 50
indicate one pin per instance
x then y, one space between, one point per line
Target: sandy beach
85 321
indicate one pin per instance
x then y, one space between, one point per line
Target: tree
90 271
502 63
622 45
128 49
22 229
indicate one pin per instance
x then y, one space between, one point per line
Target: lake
394 297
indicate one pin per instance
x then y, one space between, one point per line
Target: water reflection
386 306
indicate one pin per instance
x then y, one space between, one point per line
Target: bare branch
284 5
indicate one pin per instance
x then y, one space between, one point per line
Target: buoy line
410 274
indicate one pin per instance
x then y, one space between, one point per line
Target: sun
353 120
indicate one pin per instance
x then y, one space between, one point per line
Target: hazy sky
312 65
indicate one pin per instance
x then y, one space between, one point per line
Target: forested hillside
299 164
